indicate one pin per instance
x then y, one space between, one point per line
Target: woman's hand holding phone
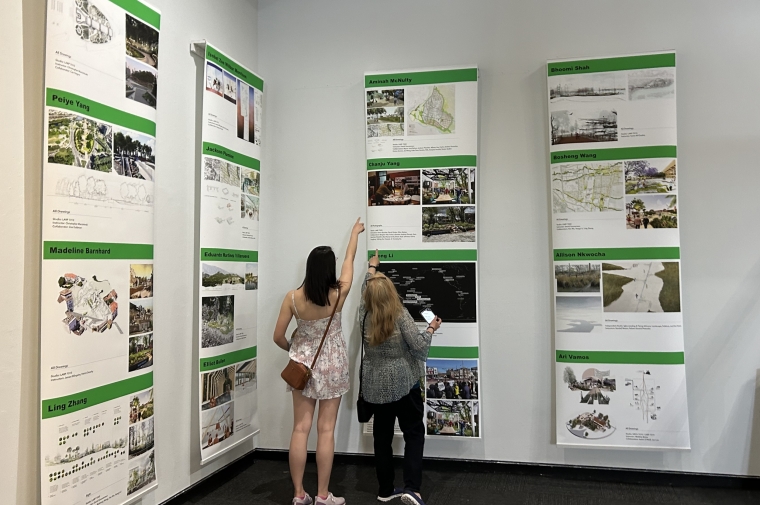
432 320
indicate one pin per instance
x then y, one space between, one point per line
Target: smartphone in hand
428 315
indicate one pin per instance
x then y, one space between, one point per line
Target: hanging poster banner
228 263
617 303
421 149
96 341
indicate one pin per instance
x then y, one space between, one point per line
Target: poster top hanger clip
198 48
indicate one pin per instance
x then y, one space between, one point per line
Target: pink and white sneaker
306 500
330 500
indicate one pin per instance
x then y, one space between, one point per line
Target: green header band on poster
620 357
426 162
90 108
426 255
414 78
453 352
619 253
60 250
618 153
231 66
228 154
140 10
68 404
229 359
611 64
214 254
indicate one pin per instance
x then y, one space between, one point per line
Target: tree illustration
568 376
638 204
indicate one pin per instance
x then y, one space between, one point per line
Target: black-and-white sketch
652 83
587 87
579 126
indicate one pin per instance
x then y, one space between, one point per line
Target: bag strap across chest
327 328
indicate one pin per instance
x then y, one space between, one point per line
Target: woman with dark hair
312 304
394 364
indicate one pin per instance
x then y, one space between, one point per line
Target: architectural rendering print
134 154
592 385
451 418
142 474
578 314
140 315
90 303
90 23
591 425
593 87
650 83
217 387
577 277
142 41
580 126
218 325
650 176
78 141
648 212
644 286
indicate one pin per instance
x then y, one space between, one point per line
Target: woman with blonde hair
394 365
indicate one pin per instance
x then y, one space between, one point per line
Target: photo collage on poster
425 206
451 397
421 146
96 347
635 405
617 304
421 114
231 201
228 266
611 130
246 99
118 435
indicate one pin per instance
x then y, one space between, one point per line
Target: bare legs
328 414
303 416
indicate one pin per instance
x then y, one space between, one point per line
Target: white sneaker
330 500
306 500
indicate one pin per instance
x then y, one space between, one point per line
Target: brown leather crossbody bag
297 374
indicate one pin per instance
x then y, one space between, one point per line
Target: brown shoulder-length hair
320 276
384 307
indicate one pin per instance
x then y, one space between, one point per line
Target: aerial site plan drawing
432 109
587 187
611 127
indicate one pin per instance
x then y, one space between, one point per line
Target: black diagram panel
448 289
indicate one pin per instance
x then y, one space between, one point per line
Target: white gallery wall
232 26
21 140
314 55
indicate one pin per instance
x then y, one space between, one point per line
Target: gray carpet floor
268 482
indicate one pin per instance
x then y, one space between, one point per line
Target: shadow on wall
753 466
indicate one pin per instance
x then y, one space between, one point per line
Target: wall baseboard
600 474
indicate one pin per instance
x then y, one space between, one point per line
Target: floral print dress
329 377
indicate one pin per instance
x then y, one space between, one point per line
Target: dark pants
409 411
